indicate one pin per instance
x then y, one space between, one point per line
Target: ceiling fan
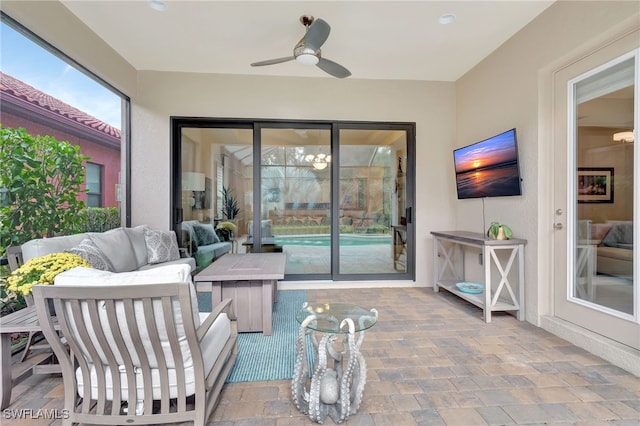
307 50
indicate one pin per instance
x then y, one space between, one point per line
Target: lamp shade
192 181
624 137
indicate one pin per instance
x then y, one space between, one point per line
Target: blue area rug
263 358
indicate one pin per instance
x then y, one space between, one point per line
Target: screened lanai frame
125 130
256 127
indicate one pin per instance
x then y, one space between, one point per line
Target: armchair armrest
224 306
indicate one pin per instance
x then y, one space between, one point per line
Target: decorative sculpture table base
340 371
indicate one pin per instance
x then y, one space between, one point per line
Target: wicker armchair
167 369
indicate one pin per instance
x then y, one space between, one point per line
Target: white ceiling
398 40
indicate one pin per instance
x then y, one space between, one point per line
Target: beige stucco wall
503 92
430 104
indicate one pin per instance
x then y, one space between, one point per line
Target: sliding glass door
295 178
372 202
335 198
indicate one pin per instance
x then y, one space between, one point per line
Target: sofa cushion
181 261
92 254
162 246
204 234
41 246
116 245
162 274
615 253
222 248
136 236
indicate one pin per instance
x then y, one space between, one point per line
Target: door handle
557 226
407 212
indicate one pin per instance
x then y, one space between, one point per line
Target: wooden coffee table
251 281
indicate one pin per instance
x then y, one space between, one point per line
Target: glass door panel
372 202
295 196
604 154
595 181
217 182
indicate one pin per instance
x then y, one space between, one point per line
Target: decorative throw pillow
162 246
116 246
92 254
205 234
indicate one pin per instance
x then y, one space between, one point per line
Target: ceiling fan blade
317 34
333 68
272 61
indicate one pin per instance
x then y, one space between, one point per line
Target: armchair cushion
211 347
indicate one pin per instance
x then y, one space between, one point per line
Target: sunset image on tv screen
488 168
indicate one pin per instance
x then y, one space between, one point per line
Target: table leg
336 387
267 307
5 363
216 293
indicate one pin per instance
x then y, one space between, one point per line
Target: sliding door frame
257 125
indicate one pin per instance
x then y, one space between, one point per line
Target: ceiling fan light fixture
159 5
319 161
447 18
307 59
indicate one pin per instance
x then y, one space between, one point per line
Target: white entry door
596 192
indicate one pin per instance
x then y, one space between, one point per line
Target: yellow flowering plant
227 226
42 270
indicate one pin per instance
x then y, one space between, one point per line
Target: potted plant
499 231
230 207
42 270
226 230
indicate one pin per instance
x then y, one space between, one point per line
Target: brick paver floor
431 360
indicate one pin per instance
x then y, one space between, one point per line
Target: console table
448 270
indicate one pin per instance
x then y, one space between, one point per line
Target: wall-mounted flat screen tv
488 168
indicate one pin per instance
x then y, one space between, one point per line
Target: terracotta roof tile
34 96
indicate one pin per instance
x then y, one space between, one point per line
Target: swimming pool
323 240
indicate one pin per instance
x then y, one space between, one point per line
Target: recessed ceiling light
159 5
447 18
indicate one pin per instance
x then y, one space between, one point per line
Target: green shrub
100 219
39 184
376 229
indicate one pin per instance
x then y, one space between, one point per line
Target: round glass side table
336 331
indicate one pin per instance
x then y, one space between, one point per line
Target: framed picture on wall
595 184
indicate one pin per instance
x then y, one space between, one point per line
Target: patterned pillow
162 246
92 254
205 234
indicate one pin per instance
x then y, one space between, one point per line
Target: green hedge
100 219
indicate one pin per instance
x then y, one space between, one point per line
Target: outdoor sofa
116 250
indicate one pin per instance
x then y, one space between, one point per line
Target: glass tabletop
329 317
